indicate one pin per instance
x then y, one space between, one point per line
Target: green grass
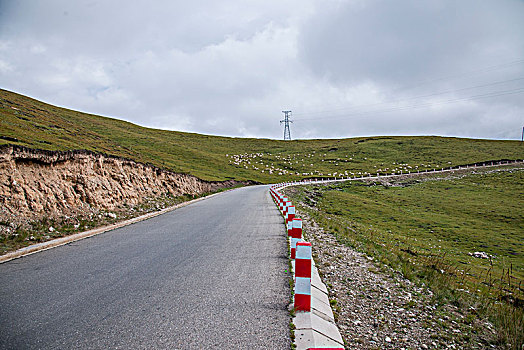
431 224
481 212
28 122
425 227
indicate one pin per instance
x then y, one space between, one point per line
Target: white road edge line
39 247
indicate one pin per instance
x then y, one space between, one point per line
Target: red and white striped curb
295 234
303 277
290 213
315 326
314 322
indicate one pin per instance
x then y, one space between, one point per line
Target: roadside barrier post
296 231
282 204
303 277
287 204
294 242
289 228
290 214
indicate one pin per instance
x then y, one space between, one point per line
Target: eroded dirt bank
37 185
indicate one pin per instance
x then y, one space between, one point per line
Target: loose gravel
377 308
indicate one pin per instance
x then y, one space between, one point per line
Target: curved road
211 275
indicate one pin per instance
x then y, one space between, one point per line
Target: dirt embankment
37 184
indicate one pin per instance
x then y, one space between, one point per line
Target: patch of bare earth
377 308
50 194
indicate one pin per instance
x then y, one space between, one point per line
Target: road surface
211 275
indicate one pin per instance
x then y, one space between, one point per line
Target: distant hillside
31 123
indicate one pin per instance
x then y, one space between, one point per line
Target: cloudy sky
344 67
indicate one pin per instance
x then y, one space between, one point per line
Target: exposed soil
42 189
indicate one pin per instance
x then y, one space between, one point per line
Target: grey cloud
401 42
230 67
405 49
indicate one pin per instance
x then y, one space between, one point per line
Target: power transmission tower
286 121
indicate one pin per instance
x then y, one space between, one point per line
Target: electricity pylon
286 121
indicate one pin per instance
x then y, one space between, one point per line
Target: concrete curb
317 329
35 248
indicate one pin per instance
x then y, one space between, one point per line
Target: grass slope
28 122
428 226
479 212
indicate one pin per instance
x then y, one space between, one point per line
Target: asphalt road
211 275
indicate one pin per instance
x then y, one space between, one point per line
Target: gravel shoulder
377 308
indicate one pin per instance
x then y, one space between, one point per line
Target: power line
416 97
424 105
394 109
465 74
486 69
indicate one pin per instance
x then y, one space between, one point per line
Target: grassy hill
28 122
428 227
480 212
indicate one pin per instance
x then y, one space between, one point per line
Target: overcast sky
344 67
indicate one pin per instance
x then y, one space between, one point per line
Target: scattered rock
480 255
373 299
